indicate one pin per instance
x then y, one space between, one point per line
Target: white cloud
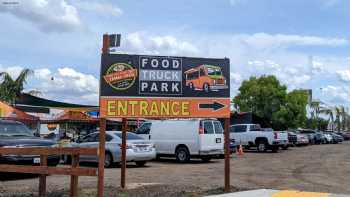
14 71
344 75
99 7
47 15
271 41
317 67
290 76
337 95
236 78
42 73
64 84
143 43
68 84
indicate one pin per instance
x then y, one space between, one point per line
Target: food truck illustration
206 78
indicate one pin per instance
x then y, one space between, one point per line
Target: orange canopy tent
9 112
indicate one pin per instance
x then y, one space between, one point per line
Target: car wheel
140 163
285 147
182 155
206 87
108 160
261 146
206 159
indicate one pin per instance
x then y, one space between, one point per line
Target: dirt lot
324 168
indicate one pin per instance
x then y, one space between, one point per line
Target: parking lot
322 168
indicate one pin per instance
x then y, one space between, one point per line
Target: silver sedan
138 150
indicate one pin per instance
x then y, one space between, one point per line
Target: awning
33 101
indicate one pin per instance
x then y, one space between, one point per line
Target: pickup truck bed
250 135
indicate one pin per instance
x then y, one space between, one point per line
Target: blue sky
304 43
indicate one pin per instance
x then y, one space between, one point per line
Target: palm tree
329 112
315 109
338 115
343 117
11 88
315 112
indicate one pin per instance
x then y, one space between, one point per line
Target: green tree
292 113
296 105
266 98
11 88
318 123
263 96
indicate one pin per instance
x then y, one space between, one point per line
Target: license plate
36 160
141 149
218 140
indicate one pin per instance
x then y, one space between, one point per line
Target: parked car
337 138
138 150
292 138
251 135
310 135
15 134
345 135
319 138
185 139
328 138
302 140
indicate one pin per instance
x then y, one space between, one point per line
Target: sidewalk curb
278 193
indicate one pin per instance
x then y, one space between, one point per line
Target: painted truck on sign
205 77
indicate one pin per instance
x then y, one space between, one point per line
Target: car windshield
216 71
14 129
129 136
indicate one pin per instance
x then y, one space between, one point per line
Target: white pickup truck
249 135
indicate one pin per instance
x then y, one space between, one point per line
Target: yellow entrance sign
145 108
163 107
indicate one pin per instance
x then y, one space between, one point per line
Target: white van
185 139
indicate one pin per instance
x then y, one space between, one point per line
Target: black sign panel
163 76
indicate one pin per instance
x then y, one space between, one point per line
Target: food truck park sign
134 86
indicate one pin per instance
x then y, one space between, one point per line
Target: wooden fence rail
44 170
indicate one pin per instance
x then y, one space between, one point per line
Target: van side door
209 140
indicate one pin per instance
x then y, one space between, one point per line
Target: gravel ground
322 168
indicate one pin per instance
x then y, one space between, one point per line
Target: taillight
201 129
128 146
275 136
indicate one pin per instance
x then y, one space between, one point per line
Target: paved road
320 168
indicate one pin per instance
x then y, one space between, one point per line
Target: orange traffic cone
240 151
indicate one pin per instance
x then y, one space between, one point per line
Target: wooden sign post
143 86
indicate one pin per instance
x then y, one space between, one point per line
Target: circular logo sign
120 76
